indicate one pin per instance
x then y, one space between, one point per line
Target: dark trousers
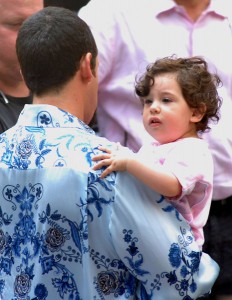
218 244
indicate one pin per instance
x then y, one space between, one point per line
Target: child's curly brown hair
198 85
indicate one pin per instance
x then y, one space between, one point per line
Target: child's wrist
129 162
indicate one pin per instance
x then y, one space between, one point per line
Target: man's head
51 46
13 13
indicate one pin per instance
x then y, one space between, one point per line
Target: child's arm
159 179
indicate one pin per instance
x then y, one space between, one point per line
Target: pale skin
13 13
167 118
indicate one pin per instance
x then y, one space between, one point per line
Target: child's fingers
101 157
106 172
96 167
107 150
102 163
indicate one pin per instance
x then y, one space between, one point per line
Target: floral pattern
56 243
49 247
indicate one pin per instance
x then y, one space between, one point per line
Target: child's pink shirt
191 162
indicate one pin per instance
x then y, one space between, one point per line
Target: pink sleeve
192 165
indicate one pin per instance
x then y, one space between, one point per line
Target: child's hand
113 159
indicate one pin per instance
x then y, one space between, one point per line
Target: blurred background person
13 92
73 5
132 33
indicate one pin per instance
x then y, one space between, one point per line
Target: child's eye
166 100
147 101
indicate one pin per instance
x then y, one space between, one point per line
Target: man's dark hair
50 46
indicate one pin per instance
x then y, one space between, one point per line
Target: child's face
166 115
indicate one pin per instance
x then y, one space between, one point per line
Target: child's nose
155 108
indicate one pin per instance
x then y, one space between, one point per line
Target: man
13 92
66 233
70 4
137 33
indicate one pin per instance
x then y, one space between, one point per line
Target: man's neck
68 98
194 8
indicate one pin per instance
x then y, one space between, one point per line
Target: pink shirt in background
191 162
132 33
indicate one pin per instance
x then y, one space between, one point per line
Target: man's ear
85 67
198 113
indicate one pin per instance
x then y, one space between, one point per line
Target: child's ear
198 113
